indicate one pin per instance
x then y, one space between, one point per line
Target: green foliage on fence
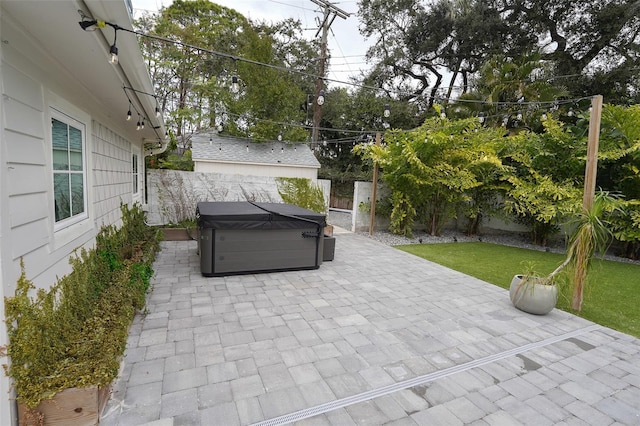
303 193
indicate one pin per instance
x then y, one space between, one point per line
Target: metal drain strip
416 381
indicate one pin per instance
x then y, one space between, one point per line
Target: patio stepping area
375 337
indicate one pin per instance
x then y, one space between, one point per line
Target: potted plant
590 235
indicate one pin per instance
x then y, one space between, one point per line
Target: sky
345 43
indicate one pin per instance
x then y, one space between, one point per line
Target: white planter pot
531 296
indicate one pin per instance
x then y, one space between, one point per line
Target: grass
612 294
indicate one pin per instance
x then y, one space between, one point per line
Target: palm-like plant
591 235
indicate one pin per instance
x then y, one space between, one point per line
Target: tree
510 93
215 46
431 171
416 43
346 114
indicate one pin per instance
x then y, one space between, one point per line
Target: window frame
135 174
70 121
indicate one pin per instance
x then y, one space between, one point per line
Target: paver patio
375 337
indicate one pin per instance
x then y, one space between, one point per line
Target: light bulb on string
481 118
387 112
519 116
235 86
129 112
142 124
570 112
138 123
113 55
280 136
113 50
320 99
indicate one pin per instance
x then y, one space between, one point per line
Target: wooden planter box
176 234
71 407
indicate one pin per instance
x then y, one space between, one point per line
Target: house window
134 172
69 180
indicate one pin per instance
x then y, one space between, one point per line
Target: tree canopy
591 46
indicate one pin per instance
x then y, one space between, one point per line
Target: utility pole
329 12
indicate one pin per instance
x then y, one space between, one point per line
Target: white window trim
61 236
69 120
135 150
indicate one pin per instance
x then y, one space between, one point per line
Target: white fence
172 195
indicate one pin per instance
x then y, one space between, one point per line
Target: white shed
213 153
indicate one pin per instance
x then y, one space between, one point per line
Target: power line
291 5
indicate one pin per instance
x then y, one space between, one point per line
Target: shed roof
212 147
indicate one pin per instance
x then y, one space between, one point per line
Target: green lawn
612 295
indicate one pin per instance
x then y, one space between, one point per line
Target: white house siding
112 174
268 170
27 229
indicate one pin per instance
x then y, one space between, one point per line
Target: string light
320 99
84 25
482 118
113 50
142 117
235 86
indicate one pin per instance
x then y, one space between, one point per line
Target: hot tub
246 237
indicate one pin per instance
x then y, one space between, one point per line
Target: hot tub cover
250 215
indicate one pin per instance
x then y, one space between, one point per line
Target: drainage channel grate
416 381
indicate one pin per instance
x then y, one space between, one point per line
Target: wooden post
591 167
374 194
590 173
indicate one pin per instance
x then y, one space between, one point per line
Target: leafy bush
302 193
74 334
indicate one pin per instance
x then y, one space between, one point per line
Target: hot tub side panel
234 251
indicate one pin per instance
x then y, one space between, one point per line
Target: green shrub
302 193
74 333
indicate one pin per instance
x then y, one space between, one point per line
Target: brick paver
246 349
